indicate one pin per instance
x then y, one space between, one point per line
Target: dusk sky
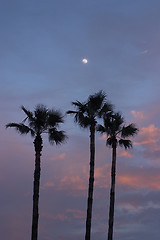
42 44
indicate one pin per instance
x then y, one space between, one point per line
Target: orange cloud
103 137
99 172
102 175
73 182
124 154
147 135
139 181
48 184
138 115
58 156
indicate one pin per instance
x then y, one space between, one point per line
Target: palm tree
86 115
116 133
40 121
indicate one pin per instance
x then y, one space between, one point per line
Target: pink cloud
103 137
101 171
102 175
144 52
138 115
124 154
48 184
58 156
148 135
73 182
139 180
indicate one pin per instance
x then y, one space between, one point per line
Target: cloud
67 215
102 137
124 154
148 135
141 178
58 157
147 142
138 208
76 213
73 183
144 52
48 184
102 175
138 115
136 177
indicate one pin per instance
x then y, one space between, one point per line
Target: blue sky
42 45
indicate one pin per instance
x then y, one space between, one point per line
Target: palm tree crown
116 131
87 112
41 121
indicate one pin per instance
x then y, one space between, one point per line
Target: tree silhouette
86 115
40 121
116 133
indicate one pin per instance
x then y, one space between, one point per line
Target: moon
84 60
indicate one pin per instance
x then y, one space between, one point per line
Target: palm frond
109 141
83 121
108 125
40 118
129 130
107 108
28 113
114 123
71 112
41 111
57 137
96 101
54 118
118 118
80 118
100 129
80 106
125 143
21 128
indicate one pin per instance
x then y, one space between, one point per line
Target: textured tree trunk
112 191
91 183
35 214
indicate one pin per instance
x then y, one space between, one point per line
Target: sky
42 45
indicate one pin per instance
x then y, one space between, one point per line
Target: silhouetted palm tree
40 121
86 115
116 133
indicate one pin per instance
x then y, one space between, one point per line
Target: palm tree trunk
91 183
35 214
112 191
